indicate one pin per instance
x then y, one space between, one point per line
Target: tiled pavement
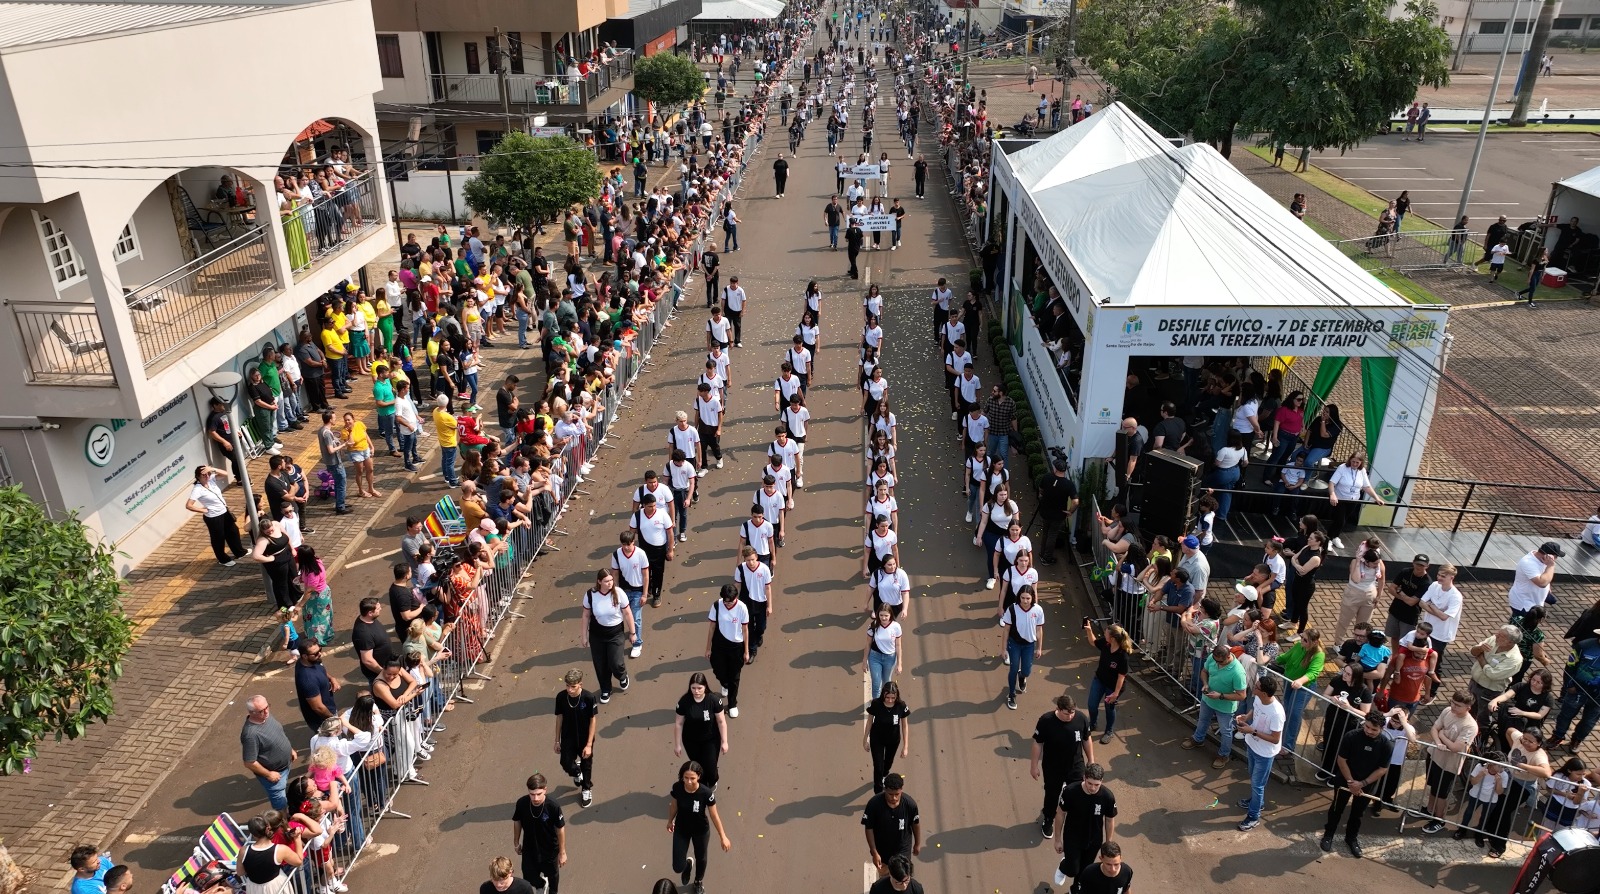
202 631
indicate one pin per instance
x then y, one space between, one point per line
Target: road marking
1591 142
1349 158
1452 204
869 875
382 555
1442 190
1369 168
1411 179
141 838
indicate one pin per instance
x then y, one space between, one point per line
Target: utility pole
1530 63
501 57
1461 42
1483 126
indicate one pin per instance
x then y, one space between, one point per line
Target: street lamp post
224 386
1488 112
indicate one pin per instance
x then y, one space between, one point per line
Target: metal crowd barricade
1520 811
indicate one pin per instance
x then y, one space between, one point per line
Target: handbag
374 760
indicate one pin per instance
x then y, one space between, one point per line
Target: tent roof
1147 224
1587 182
736 10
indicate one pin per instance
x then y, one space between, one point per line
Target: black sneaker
1022 684
688 870
305 530
1355 848
1047 827
1327 844
605 697
1433 828
1011 702
622 683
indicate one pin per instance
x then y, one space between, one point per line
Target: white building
127 281
1480 26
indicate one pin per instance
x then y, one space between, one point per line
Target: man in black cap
1058 497
1495 235
1407 588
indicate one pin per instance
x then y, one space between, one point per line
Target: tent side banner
1052 409
1288 331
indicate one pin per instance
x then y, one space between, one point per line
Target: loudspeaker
1171 490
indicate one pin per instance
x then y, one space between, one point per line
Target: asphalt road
1514 174
796 778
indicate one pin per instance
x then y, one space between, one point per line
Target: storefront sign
134 467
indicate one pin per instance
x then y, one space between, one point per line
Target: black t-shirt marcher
575 714
1095 881
887 720
833 214
374 636
1413 585
694 808
700 718
539 825
780 169
1062 742
1113 664
1085 814
885 885
891 826
518 886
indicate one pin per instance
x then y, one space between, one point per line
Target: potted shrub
1091 483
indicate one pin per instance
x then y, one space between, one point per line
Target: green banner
1328 373
1377 379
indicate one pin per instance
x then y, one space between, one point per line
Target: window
1520 28
1491 27
488 139
1567 23
389 64
514 50
65 269
473 66
127 246
491 45
5 471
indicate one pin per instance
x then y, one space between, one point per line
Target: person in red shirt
1417 665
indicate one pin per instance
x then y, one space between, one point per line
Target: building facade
148 235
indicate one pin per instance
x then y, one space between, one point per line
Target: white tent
1149 224
739 10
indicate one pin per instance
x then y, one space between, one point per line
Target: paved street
794 780
1513 178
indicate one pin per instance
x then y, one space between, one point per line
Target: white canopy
738 10
1147 224
1587 182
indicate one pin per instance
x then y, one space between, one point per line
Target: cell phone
1087 620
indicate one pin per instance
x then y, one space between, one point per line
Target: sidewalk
202 632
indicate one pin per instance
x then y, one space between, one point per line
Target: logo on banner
1403 419
1416 332
98 445
1105 414
1132 325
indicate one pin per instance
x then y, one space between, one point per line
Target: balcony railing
320 231
191 302
529 89
64 346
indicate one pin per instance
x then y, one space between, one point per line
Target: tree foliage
527 179
1315 73
62 629
667 79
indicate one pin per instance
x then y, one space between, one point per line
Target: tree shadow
983 838
822 586
526 709
824 552
1016 745
620 809
844 661
848 521
569 656
642 720
852 621
953 665
956 710
953 625
818 720
483 813
677 666
161 853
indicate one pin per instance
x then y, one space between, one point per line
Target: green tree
667 79
526 180
62 629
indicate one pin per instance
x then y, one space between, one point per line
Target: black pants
533 867
1299 607
883 748
224 531
1054 781
1504 813
758 620
782 182
1055 527
1352 827
317 392
736 317
281 574
1342 516
922 182
704 752
713 287
710 442
854 252
727 663
658 567
606 647
580 768
681 839
940 317
232 456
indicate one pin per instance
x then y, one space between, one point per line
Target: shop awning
739 10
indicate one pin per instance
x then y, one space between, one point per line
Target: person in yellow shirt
444 425
333 348
355 434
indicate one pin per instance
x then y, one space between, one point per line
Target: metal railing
191 302
1413 250
1572 500
321 230
64 346
534 89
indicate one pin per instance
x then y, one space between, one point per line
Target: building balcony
586 94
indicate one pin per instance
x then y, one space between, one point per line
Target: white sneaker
1337 543
719 463
724 692
733 712
1060 878
969 517
799 482
682 537
1006 659
953 415
988 584
636 651
701 473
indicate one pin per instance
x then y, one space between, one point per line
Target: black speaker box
1171 490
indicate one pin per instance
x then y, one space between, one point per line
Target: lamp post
224 386
1488 112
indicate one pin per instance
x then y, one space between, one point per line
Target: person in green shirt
383 396
273 376
1222 693
1301 666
